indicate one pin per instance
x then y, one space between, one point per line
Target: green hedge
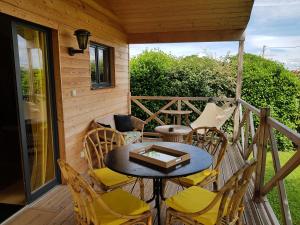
265 83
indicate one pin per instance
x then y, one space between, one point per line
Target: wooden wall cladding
73 72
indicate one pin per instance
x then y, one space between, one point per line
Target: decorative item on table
160 157
171 129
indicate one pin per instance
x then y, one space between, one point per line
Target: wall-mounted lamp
82 39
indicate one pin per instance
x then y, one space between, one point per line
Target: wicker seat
196 205
108 208
97 143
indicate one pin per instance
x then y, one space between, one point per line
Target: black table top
118 161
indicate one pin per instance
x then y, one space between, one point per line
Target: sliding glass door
35 91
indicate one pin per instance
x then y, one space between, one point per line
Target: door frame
31 196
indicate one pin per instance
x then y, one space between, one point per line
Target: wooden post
261 153
179 116
129 103
239 80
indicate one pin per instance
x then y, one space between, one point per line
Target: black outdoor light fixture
82 39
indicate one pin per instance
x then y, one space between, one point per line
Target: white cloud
285 49
273 41
263 3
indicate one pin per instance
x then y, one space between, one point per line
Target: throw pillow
123 123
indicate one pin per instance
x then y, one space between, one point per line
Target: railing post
261 153
236 121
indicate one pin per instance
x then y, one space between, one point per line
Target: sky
273 23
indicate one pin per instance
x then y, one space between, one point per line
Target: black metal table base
158 195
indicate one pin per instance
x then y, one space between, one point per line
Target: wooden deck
55 207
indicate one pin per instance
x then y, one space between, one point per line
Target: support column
239 81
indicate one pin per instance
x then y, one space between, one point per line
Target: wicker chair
214 142
93 208
196 205
97 143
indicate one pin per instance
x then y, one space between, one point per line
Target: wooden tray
159 156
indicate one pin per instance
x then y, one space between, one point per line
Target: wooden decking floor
55 207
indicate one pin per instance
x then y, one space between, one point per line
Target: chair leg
215 185
142 188
164 184
149 220
168 218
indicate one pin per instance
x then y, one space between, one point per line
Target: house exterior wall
73 72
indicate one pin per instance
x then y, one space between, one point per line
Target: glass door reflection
36 104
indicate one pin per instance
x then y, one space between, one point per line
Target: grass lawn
292 185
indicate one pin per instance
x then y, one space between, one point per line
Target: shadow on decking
55 207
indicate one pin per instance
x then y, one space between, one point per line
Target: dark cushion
123 123
104 125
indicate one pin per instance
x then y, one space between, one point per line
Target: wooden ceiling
153 21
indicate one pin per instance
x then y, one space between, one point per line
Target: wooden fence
171 101
251 141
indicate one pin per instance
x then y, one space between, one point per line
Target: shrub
265 83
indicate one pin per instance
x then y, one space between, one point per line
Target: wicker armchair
131 136
94 208
214 142
196 205
97 143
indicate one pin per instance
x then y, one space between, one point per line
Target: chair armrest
137 123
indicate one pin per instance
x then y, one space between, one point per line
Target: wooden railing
256 141
179 102
251 141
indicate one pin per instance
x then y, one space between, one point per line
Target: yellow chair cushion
121 202
194 199
109 177
198 177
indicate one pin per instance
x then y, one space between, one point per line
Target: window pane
101 64
93 65
106 65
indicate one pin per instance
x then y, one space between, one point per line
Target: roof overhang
166 21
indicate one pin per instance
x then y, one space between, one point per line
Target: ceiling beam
186 36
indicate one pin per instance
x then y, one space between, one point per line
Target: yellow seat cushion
198 177
121 202
109 177
194 199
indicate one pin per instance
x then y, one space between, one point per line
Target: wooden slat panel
148 21
73 72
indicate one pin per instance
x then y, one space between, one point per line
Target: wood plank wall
73 72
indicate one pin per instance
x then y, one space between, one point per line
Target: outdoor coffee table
118 161
175 135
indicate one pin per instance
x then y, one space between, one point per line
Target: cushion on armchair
123 123
132 136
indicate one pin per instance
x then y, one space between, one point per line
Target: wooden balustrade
262 139
178 101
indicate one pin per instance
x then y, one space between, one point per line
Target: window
101 64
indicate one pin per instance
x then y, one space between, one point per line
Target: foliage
156 73
292 184
37 82
265 83
268 83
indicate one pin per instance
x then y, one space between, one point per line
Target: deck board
55 207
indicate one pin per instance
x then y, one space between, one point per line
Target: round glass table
118 161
